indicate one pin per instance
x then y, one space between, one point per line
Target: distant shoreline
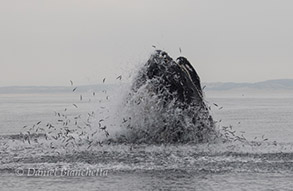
269 85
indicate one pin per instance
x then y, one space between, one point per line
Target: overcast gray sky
49 42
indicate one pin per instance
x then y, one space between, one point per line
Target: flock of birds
70 129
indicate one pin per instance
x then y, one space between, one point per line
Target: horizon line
99 84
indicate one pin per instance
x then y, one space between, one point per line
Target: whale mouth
165 104
190 73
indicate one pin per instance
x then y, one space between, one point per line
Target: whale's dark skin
173 80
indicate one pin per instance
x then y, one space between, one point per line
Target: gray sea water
263 162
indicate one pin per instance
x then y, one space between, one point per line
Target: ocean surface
29 160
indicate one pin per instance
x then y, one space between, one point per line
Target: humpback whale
166 103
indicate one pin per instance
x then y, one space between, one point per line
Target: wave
240 157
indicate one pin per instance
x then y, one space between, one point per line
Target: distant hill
281 84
